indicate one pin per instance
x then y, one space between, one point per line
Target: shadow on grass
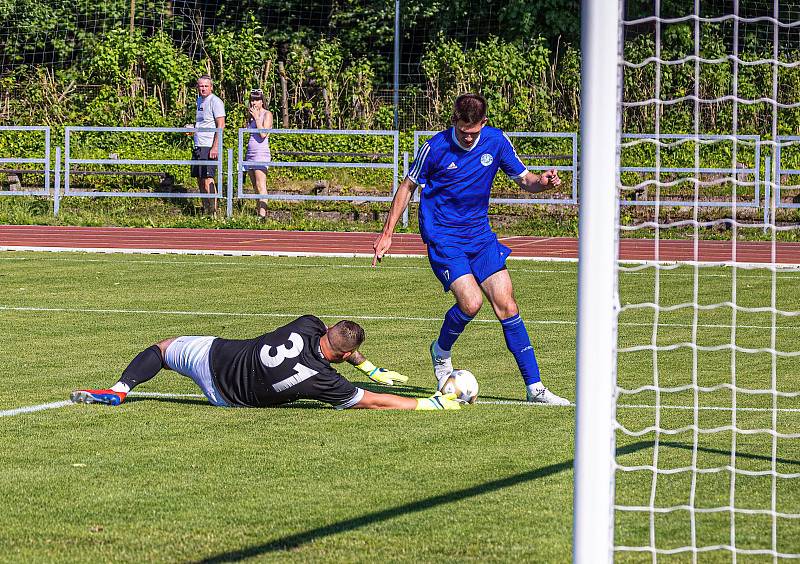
185 401
297 540
727 453
519 398
301 404
399 390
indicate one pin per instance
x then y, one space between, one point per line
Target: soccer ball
463 384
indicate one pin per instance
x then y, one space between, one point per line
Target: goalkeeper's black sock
142 368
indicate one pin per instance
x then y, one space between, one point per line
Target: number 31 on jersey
273 359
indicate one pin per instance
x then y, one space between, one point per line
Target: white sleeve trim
514 150
422 154
352 401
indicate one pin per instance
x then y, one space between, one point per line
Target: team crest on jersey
486 159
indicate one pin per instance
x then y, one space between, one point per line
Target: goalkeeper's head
342 340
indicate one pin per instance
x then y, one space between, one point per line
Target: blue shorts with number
451 261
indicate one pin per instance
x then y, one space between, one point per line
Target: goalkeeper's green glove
438 401
381 375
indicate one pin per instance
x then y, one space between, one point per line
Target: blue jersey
455 184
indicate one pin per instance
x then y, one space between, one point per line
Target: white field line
229 253
65 403
488 402
644 406
241 314
515 403
710 408
34 408
519 403
165 395
104 311
245 253
484 402
167 262
260 264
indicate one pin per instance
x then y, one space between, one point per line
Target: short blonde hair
346 336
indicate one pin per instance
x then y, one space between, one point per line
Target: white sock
535 387
441 353
121 387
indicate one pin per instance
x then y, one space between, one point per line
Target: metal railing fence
242 163
20 160
771 171
783 142
70 161
727 174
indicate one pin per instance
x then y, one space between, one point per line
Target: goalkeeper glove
381 375
438 401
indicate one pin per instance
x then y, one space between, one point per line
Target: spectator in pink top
258 146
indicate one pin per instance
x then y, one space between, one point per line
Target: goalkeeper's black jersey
279 367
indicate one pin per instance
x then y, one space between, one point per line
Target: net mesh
346 48
708 411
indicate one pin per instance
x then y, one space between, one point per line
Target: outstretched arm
372 400
399 204
534 183
376 374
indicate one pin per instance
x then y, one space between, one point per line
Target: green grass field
174 479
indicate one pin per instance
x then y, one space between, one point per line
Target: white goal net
705 438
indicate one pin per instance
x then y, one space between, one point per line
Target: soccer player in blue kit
455 170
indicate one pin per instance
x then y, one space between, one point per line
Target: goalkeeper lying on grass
291 363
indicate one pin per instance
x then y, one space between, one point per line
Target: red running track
240 241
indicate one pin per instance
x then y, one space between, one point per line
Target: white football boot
537 393
442 366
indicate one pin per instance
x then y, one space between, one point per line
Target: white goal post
596 333
687 435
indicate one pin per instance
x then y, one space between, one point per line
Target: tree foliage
335 61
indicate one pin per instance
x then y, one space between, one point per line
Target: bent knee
507 308
163 346
472 306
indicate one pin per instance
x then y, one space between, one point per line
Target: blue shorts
450 262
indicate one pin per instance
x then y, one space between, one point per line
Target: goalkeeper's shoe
442 367
107 397
537 393
438 401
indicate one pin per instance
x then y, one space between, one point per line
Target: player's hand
381 375
213 153
381 247
550 178
438 401
387 377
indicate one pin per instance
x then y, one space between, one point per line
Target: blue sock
454 322
520 346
